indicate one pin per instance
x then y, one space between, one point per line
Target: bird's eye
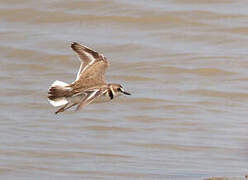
119 89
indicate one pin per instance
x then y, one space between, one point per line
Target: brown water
184 61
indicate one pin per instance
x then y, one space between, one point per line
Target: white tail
60 100
58 83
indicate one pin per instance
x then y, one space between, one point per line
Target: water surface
184 61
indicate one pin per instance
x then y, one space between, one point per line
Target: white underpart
59 101
79 97
92 60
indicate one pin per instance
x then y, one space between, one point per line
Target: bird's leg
65 108
61 109
70 106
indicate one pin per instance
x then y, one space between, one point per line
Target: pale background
184 61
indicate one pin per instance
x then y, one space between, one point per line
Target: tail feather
57 93
58 102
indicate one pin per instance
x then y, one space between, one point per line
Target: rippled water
184 61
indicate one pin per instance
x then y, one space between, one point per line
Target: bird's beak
127 93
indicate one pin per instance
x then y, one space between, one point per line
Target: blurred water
184 61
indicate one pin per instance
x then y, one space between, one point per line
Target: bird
89 85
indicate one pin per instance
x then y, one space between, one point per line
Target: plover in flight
89 85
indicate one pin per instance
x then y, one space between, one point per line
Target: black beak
126 93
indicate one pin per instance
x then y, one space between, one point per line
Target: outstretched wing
92 68
90 96
86 55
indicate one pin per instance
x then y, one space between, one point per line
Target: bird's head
117 90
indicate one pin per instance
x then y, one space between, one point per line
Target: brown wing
86 55
92 69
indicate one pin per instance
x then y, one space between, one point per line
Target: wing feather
91 95
86 55
92 68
